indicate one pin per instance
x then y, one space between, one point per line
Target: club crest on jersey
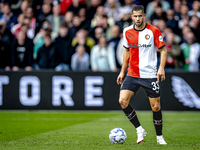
147 36
160 38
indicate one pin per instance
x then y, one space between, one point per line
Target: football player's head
138 15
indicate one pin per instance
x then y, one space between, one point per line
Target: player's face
138 18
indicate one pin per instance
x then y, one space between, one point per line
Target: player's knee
156 108
123 103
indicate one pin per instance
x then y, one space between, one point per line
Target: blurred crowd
86 35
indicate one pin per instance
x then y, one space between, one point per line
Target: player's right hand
120 79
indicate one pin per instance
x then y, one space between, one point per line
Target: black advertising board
49 90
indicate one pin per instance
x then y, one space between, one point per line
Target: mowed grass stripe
18 125
178 132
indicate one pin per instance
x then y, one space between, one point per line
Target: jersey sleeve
158 39
125 42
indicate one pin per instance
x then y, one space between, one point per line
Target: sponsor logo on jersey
130 36
147 36
139 45
160 38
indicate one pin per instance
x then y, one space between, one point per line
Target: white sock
159 136
139 128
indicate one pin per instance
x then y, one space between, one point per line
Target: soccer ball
117 136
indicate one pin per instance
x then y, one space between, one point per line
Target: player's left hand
161 74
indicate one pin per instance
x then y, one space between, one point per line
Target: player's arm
124 66
163 58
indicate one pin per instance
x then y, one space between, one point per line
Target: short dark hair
47 35
63 25
138 8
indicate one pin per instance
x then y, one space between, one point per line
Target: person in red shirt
141 56
64 4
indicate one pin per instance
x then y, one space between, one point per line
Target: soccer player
141 57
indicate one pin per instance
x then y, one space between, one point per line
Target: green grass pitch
89 130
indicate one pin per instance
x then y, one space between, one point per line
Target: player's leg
157 118
152 89
124 100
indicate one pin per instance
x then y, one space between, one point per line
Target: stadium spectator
82 38
22 52
177 38
186 29
102 57
76 26
97 33
55 19
195 26
39 41
4 56
195 9
151 6
80 59
158 14
17 26
8 16
161 24
64 48
173 52
30 15
114 41
184 11
98 18
25 25
69 18
47 56
171 21
113 9
6 35
129 3
44 13
64 4
24 5
177 9
126 19
184 20
85 21
75 7
106 27
94 4
191 52
37 6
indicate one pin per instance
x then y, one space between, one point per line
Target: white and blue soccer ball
117 136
